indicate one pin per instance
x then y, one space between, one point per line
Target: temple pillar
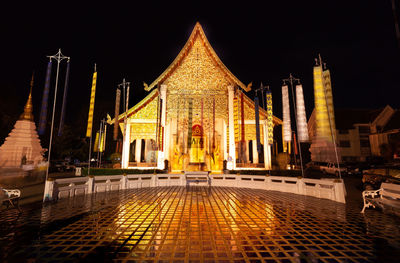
162 148
125 148
247 156
255 153
267 148
225 140
138 150
232 151
167 139
147 142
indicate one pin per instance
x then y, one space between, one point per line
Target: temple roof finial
27 114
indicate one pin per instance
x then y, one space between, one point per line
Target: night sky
258 43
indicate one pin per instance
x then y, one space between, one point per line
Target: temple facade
197 116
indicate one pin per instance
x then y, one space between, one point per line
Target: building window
364 129
343 131
364 143
344 144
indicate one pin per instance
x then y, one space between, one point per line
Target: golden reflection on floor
202 224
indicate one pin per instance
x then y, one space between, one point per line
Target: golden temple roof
135 108
27 114
197 31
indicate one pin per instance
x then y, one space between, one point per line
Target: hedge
110 171
288 173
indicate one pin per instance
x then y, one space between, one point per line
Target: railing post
267 182
340 191
72 189
153 181
300 186
48 190
183 179
124 182
90 184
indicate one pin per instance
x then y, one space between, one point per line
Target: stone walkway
199 224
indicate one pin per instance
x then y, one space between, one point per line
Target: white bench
10 197
197 177
388 196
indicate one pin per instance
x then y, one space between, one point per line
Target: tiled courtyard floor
199 224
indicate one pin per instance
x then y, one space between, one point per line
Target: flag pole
290 80
59 57
91 120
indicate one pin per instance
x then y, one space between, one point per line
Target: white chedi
22 146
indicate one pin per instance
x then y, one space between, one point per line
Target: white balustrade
70 187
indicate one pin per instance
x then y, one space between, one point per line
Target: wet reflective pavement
198 224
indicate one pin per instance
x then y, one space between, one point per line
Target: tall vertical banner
64 104
270 123
116 114
103 138
126 108
91 107
287 130
302 130
177 123
213 144
45 101
321 110
160 127
326 80
236 117
190 121
256 110
242 116
96 142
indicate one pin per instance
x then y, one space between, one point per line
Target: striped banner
302 130
117 106
326 79
45 100
91 107
287 130
321 113
96 142
213 144
256 110
103 138
270 124
242 115
190 121
64 104
236 118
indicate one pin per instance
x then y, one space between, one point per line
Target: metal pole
290 79
90 141
90 153
330 123
98 146
124 84
59 57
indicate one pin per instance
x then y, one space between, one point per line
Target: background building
363 133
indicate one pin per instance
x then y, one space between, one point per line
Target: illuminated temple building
197 117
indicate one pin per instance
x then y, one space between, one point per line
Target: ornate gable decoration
197 67
145 109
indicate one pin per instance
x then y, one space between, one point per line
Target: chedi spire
27 114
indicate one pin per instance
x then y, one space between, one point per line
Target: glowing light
302 130
287 130
323 101
270 124
91 108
